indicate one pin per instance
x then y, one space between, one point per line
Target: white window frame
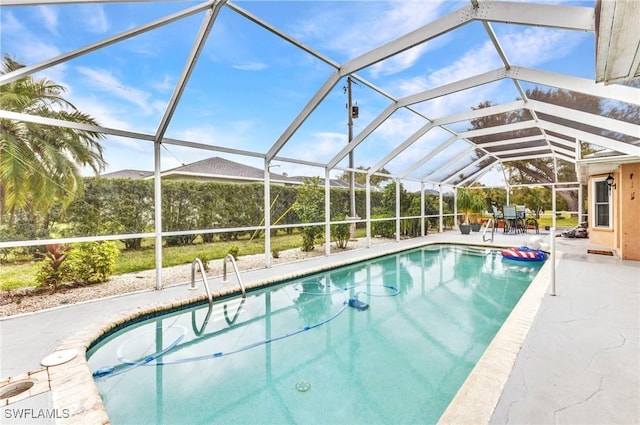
594 220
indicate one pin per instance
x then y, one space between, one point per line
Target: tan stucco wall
629 201
624 236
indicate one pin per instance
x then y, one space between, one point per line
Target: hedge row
112 206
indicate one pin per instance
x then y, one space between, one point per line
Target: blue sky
249 84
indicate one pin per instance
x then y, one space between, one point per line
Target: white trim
594 215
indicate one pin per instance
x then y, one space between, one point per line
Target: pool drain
303 386
15 388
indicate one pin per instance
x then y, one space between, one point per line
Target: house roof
221 169
332 182
216 167
128 174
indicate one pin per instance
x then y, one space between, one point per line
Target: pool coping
73 388
477 398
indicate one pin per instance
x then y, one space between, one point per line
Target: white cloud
365 29
534 46
251 66
94 19
234 133
325 146
165 85
105 81
473 62
49 15
35 51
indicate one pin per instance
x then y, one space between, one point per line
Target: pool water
298 353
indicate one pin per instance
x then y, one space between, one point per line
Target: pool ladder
491 223
197 264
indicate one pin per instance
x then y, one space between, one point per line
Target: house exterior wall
623 235
629 198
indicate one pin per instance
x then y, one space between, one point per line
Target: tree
309 207
375 180
40 165
542 170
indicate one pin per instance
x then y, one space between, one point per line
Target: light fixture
610 182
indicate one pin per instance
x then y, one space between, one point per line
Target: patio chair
521 212
533 221
510 217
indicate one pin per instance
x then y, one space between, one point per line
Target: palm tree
40 165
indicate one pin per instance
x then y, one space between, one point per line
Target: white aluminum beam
477 175
581 85
429 156
525 157
409 40
454 87
28 70
551 151
563 142
468 167
617 53
54 122
567 17
203 146
370 128
481 112
304 114
540 15
585 136
400 148
192 59
523 150
499 129
451 162
512 141
53 2
282 34
566 152
586 118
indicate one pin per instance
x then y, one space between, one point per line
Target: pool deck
572 358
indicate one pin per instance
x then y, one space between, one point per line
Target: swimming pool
298 353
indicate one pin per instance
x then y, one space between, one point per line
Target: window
602 204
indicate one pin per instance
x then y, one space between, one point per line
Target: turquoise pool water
298 353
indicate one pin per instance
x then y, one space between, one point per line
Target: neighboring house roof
332 182
216 168
127 174
220 168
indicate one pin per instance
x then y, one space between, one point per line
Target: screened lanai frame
544 138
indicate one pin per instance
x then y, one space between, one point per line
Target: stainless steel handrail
230 258
198 263
493 230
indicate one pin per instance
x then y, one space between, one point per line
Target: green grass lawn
14 275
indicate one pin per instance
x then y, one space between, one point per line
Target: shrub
234 251
91 262
341 232
309 208
51 271
275 253
386 229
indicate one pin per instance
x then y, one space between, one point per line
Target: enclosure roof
618 41
417 81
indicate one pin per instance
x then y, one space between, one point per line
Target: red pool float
524 254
